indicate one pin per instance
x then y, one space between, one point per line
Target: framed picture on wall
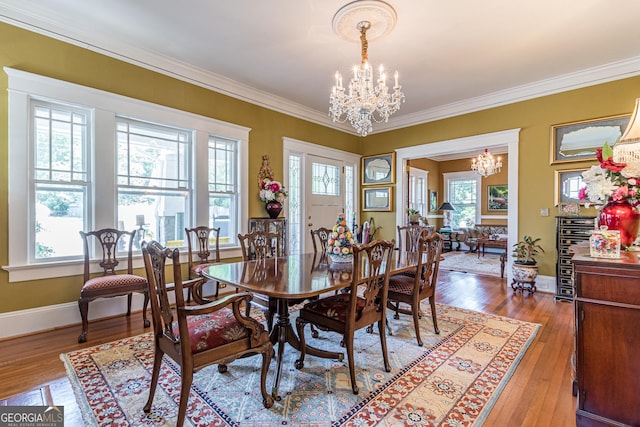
378 169
377 199
568 185
433 201
578 141
497 198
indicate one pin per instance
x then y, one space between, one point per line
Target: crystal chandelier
486 164
364 103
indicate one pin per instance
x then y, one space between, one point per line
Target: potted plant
525 267
414 216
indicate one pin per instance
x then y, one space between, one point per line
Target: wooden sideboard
607 310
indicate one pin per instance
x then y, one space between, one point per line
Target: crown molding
584 78
224 85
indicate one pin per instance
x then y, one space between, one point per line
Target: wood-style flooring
538 394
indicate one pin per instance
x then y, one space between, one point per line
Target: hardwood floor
539 393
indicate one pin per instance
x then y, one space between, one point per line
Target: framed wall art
578 141
377 199
497 198
433 201
378 169
568 185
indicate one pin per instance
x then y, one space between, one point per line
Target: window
418 190
60 178
463 193
223 188
153 180
325 179
85 159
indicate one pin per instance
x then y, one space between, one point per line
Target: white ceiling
453 56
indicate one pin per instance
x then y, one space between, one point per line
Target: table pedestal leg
282 333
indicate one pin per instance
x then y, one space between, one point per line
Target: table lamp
447 208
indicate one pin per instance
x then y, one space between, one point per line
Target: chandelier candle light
367 101
486 164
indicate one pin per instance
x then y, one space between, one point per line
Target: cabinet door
608 361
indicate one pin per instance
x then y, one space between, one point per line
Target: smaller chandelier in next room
485 164
367 100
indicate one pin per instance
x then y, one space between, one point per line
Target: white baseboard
546 284
41 319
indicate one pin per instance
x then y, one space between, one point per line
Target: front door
324 185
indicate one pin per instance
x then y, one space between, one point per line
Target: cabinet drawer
609 288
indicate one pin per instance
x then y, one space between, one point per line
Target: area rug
488 265
454 380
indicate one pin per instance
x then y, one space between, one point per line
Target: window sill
47 270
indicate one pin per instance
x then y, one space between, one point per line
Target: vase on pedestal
620 215
273 209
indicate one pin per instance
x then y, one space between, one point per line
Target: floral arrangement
341 239
610 180
272 191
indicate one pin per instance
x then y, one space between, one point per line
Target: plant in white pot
525 267
414 216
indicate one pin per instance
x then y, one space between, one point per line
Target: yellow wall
34 53
535 174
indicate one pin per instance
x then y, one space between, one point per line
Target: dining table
296 277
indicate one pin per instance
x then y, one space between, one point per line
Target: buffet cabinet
269 225
570 230
607 310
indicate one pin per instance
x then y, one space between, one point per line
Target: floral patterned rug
453 380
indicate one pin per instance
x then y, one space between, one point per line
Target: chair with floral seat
364 304
195 336
115 246
201 255
412 289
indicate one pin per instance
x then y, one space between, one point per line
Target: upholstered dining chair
195 336
260 245
364 304
412 289
201 255
109 242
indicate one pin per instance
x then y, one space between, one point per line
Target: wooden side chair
110 284
201 255
364 304
411 289
410 234
260 245
320 239
195 336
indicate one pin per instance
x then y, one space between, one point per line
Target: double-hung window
223 188
154 180
83 159
463 192
60 191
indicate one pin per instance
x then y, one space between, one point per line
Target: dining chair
195 336
114 246
410 234
320 238
364 304
201 255
259 245
412 289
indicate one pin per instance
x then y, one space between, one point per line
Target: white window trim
23 85
465 175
